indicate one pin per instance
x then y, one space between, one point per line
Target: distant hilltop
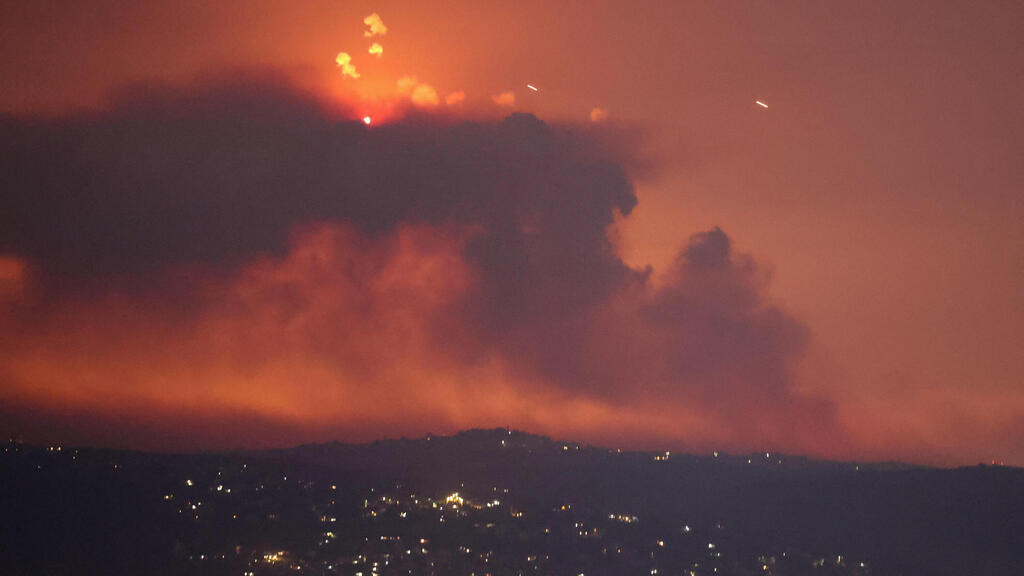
510 495
479 441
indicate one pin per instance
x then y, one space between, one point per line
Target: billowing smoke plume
236 249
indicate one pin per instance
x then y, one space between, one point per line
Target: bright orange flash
367 120
376 26
344 61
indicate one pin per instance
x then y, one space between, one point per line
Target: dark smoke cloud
215 176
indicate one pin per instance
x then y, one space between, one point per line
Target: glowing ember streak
367 120
532 87
761 104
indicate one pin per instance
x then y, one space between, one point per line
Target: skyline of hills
515 496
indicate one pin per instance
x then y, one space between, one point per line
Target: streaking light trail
761 104
532 87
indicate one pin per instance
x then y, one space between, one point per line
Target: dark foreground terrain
500 503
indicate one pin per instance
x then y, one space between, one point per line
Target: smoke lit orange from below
331 338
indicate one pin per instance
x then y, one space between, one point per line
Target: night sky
785 226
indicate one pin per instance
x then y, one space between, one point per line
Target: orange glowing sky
880 189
